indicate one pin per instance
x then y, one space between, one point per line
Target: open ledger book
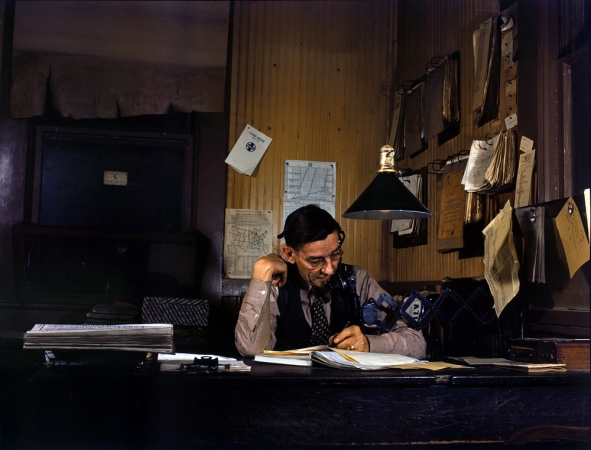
332 357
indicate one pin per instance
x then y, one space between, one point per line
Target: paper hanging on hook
572 234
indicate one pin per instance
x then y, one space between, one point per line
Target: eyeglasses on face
318 261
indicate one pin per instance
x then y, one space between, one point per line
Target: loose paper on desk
524 178
502 362
572 234
501 265
247 237
248 150
344 359
308 182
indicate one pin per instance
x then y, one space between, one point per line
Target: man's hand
351 338
270 268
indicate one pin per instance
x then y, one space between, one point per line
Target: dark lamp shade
386 198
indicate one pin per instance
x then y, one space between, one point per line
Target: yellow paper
434 365
524 178
572 234
501 265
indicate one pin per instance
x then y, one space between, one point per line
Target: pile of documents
333 357
344 359
295 357
155 338
492 164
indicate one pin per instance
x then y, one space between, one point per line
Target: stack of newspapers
154 338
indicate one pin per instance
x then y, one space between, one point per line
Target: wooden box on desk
572 352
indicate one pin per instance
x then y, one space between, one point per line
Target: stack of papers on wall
155 338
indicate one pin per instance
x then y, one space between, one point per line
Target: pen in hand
347 325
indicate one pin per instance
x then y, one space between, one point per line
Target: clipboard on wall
413 232
452 207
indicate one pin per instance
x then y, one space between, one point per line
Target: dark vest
292 329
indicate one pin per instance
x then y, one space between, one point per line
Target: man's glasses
316 262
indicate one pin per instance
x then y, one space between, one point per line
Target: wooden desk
275 406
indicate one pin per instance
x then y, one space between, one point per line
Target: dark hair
309 224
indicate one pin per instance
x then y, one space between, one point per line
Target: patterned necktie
320 331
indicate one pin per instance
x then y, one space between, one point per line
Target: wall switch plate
112 178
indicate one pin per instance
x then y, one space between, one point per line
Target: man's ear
289 254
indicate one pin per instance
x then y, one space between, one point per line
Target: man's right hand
270 268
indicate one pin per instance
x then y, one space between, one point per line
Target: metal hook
532 217
432 65
477 144
405 87
436 171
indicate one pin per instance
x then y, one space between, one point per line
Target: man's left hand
351 338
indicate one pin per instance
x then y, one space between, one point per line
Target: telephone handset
344 282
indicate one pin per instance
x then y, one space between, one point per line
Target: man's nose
328 267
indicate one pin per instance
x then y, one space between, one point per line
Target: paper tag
524 178
510 69
507 43
511 121
511 88
526 144
572 234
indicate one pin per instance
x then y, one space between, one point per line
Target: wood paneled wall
426 29
311 75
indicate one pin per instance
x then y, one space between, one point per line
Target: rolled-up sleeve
257 320
401 339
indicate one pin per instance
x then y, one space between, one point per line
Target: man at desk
288 304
